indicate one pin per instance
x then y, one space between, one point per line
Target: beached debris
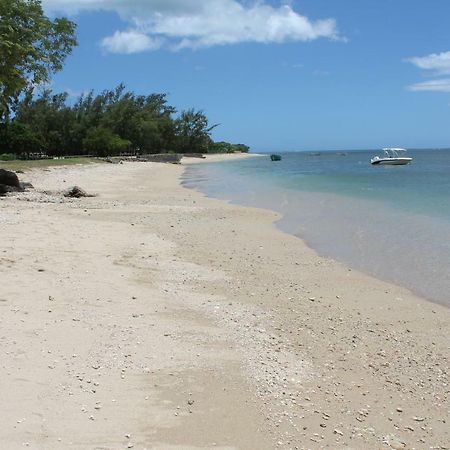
26 185
76 192
112 160
172 158
194 155
394 442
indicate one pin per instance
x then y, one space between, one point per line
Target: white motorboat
392 156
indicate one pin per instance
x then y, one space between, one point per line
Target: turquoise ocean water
390 221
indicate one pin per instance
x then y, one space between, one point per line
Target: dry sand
153 317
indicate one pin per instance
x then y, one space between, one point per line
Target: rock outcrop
9 182
9 178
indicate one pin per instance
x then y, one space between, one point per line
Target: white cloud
72 93
198 23
131 41
437 62
442 85
320 72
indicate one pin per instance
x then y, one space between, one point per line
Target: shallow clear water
390 221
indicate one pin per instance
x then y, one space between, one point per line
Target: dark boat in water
275 157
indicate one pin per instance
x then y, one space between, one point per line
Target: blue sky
297 75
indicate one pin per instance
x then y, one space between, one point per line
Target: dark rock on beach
5 189
9 178
9 182
76 192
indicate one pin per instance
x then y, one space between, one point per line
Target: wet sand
153 317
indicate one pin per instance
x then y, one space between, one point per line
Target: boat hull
390 161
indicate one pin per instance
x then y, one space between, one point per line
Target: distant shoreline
219 157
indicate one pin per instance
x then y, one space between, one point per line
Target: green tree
108 123
49 116
23 140
193 132
226 147
103 142
143 120
220 147
32 46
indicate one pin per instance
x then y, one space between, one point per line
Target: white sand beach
152 317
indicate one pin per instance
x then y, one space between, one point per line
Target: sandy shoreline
220 157
153 317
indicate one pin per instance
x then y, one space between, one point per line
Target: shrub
7 157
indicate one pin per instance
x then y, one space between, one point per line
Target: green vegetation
42 163
226 147
111 123
8 157
103 142
192 132
31 47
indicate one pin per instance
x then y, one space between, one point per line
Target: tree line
113 122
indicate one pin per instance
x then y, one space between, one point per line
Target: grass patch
42 163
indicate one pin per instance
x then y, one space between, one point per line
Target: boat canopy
392 151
